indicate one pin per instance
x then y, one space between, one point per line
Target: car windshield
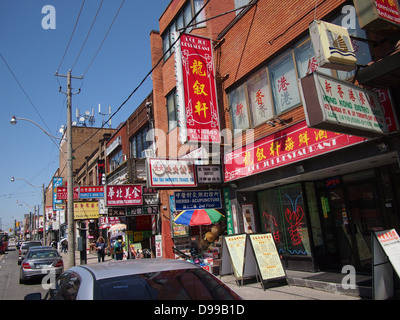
31 244
191 284
38 254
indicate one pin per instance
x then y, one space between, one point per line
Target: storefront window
283 214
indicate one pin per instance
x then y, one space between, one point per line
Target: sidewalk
299 285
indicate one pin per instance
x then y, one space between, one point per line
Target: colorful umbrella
199 217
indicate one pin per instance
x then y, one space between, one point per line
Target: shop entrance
349 213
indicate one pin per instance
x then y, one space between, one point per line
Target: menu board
235 245
390 243
267 257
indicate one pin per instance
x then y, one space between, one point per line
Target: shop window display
283 214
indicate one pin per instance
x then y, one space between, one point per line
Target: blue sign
202 199
57 182
91 192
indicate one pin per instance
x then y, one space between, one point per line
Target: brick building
322 200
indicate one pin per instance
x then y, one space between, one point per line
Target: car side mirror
33 296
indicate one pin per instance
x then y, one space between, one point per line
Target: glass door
337 234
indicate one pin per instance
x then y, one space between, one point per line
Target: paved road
10 289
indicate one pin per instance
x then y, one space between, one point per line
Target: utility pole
70 182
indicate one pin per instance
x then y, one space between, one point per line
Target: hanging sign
91 192
378 15
202 199
86 210
171 173
195 71
123 195
334 105
332 46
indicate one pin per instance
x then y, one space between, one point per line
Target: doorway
350 212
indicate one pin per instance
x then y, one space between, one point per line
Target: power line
144 79
26 95
115 17
72 34
87 36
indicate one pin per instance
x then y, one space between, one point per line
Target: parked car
23 250
138 279
2 248
39 258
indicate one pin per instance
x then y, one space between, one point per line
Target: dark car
23 250
2 248
138 279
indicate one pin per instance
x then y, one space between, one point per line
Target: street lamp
14 121
70 182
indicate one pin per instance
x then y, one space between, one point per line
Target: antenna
87 117
105 114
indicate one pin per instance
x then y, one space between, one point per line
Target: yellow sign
86 210
267 256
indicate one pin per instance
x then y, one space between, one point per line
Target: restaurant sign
293 144
196 89
334 105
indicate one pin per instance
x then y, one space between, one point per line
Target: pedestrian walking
119 248
101 248
64 246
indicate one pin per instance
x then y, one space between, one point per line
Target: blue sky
34 55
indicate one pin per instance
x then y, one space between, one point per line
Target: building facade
320 193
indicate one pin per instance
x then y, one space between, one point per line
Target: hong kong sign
123 195
334 105
293 144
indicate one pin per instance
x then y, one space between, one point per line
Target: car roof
120 268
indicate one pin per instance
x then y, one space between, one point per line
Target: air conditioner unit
332 46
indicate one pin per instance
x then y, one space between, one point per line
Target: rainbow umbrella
199 217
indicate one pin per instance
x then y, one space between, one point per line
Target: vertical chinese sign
194 59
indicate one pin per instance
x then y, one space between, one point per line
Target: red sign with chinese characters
200 93
387 9
62 193
291 145
124 195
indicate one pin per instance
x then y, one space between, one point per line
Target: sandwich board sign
233 253
386 258
251 255
269 264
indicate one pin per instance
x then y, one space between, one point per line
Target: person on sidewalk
119 248
101 248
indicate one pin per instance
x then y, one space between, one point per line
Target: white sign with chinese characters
171 172
334 105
